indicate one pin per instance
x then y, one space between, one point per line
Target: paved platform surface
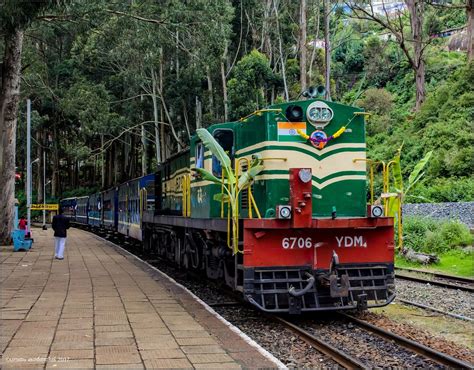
101 308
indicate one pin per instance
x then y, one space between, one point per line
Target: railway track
352 362
430 308
442 280
421 349
342 358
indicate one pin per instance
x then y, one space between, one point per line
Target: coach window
225 138
199 155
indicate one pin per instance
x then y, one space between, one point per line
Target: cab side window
199 155
225 137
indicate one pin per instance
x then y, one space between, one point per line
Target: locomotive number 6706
295 242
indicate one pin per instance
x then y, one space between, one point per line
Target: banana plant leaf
221 197
216 150
416 174
393 204
247 177
397 173
206 175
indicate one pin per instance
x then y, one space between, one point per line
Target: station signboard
46 207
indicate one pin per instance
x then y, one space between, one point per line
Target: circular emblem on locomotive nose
318 138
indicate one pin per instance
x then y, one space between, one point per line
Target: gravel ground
418 335
449 300
462 211
276 338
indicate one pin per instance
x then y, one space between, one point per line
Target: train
302 236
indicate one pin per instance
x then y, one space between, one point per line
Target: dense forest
117 87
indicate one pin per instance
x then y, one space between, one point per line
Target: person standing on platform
60 226
22 224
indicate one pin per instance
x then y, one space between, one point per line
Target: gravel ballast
449 300
462 211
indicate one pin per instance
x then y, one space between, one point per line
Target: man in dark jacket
60 226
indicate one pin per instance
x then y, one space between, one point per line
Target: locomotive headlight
326 114
283 212
376 211
319 114
305 175
314 114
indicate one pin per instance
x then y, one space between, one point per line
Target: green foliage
432 236
450 189
377 101
245 88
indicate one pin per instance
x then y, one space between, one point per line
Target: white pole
28 163
44 188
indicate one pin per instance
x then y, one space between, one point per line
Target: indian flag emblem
287 131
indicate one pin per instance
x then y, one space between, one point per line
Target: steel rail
420 305
411 345
460 279
443 284
329 350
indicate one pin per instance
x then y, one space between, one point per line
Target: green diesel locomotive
300 235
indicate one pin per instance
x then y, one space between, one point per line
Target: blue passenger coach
82 208
109 209
95 210
134 197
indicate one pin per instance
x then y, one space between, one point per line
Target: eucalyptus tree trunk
102 155
186 120
198 113
302 44
155 117
224 93
266 45
280 48
210 89
55 161
416 8
313 52
224 84
9 98
144 150
327 50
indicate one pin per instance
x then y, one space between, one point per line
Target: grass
453 262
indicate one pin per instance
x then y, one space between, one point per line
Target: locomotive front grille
369 286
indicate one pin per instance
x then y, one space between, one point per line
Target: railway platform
102 308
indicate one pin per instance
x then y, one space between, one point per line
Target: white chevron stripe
315 184
302 146
338 162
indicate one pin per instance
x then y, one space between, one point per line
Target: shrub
378 101
444 190
427 235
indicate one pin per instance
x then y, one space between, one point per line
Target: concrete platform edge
235 329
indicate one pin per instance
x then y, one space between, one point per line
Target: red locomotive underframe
273 242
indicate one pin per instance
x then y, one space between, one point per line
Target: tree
15 17
302 44
246 88
413 45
